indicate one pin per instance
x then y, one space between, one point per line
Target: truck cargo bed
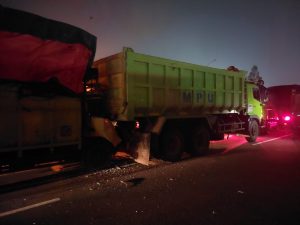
140 85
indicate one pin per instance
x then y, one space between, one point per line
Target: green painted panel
157 75
187 78
140 72
199 79
172 77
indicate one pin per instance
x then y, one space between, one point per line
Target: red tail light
287 118
137 125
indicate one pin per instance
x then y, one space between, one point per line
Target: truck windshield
256 94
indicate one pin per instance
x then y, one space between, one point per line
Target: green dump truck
181 105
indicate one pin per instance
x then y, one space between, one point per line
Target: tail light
137 125
286 118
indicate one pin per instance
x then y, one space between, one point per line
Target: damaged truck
44 65
170 107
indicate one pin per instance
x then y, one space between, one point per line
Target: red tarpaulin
27 58
36 49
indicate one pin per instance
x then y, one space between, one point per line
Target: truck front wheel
253 131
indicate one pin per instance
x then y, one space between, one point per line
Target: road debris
122 182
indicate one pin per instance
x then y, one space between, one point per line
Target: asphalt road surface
237 183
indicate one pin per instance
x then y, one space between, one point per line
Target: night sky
217 33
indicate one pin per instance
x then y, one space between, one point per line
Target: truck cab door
254 104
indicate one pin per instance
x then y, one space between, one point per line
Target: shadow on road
136 181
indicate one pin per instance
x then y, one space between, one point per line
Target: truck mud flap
142 149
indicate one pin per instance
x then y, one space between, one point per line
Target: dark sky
217 33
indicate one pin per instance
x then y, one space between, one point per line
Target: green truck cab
255 99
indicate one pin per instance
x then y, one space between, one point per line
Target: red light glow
287 118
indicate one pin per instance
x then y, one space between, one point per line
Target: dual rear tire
173 143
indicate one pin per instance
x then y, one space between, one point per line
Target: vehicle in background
180 106
296 112
279 107
271 118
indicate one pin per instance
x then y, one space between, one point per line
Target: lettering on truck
187 97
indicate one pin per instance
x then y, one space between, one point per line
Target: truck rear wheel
253 131
172 144
200 141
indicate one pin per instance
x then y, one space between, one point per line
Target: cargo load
43 49
35 121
